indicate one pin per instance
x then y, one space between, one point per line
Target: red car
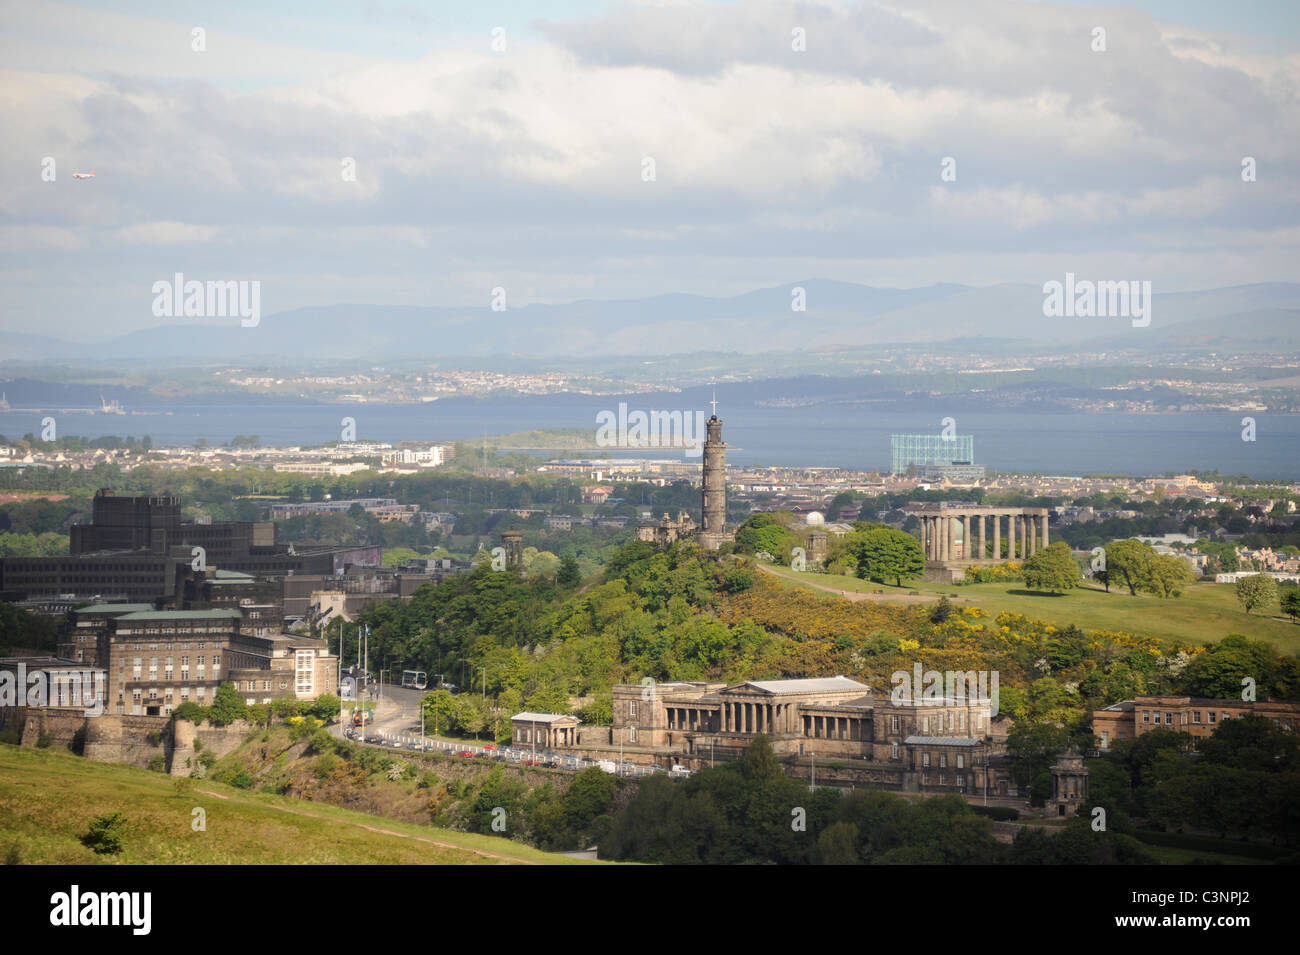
489 746
466 753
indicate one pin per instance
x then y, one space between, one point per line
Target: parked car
467 754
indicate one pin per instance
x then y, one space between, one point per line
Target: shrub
189 710
106 834
154 738
227 706
242 780
157 763
997 813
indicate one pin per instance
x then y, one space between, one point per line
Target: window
1169 719
925 759
961 761
1146 716
631 710
1210 715
631 734
304 672
894 753
1196 716
1227 715
894 723
943 760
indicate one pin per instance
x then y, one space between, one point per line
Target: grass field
1205 612
48 798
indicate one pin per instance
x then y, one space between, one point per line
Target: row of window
943 759
1153 716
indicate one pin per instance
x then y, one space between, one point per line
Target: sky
626 149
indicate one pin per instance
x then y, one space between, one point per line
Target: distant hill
837 314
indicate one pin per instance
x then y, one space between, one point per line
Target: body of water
843 435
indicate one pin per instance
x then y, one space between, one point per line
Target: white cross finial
714 402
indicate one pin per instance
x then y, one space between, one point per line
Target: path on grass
387 832
857 595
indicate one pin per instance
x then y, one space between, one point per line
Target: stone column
1045 516
997 536
925 543
1011 537
1024 537
965 537
947 537
983 543
1031 526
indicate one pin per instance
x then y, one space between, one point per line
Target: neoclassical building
918 745
955 536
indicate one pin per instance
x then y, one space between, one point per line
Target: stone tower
1069 783
713 529
513 542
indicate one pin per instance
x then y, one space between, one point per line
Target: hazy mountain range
837 314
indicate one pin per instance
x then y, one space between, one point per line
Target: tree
1129 561
759 762
1290 602
227 706
1217 673
1257 590
886 553
568 575
1168 575
106 834
838 845
1052 569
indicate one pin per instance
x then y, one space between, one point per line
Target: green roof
115 608
183 615
231 575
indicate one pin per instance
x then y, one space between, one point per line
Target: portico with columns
957 535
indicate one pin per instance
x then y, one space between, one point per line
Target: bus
415 679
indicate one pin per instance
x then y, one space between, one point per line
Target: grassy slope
48 798
1205 612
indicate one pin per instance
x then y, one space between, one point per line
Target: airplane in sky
84 175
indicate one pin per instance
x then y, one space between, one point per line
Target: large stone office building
157 659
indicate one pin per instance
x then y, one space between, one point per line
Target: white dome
815 518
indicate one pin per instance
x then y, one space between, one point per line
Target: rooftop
543 717
828 684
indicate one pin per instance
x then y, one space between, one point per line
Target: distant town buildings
908 451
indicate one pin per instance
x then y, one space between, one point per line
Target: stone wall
113 738
62 724
218 740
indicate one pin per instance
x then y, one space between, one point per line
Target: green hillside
1205 611
49 797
